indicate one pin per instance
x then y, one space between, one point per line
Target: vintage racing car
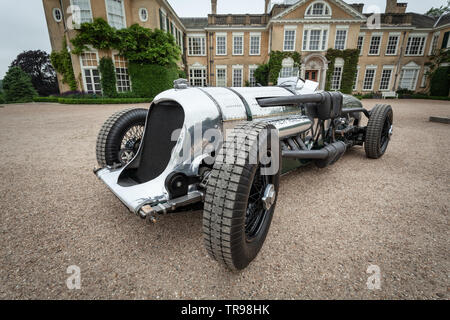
223 150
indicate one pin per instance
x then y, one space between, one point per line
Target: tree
37 65
17 86
437 12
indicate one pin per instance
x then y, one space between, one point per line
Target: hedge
45 99
93 101
150 80
440 82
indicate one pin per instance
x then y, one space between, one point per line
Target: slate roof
195 23
406 19
445 19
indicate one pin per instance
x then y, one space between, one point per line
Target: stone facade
224 50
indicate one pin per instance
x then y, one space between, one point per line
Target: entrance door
312 75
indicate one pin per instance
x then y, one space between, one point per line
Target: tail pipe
323 157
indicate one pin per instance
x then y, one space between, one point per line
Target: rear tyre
379 131
241 195
120 136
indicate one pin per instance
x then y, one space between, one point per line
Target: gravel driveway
330 225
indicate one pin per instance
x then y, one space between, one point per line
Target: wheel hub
268 198
391 131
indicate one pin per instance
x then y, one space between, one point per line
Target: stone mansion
225 49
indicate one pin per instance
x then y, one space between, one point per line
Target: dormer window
318 9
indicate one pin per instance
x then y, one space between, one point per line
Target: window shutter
445 41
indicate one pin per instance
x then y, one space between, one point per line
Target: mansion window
336 77
408 78
91 75
116 13
289 39
287 68
81 11
163 20
315 39
123 82
180 39
355 80
143 14
255 44
221 76
318 9
385 80
251 76
434 44
57 14
238 44
391 49
375 43
341 39
369 79
360 44
425 75
221 44
197 45
415 45
197 76
237 76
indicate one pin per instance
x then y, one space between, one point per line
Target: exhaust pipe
324 157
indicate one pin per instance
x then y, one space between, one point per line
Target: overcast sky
23 27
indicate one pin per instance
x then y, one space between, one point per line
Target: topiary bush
108 77
440 82
17 86
150 80
262 74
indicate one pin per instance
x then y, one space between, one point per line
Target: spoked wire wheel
240 196
120 137
258 206
130 143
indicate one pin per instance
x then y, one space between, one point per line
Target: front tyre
241 195
379 131
120 137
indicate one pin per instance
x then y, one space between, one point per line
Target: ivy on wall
136 43
275 63
62 63
351 58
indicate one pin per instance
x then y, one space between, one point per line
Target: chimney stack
214 6
267 6
393 7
